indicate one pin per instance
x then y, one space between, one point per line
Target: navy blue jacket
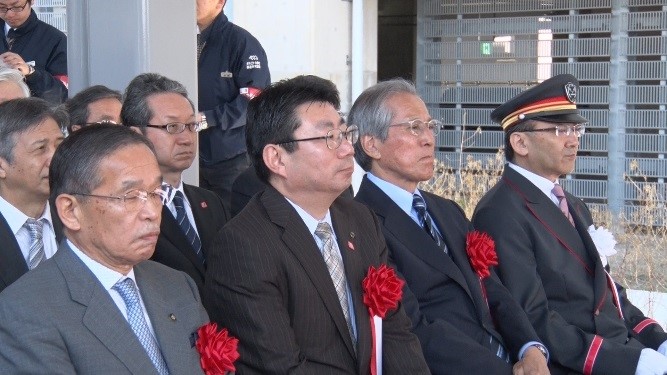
42 43
231 62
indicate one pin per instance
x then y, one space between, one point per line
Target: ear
137 130
69 211
75 127
370 146
4 166
273 156
519 142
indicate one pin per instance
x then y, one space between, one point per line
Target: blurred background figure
34 48
12 85
94 105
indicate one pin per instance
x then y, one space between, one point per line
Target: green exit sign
486 48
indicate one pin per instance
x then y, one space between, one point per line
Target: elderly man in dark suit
289 283
460 333
29 229
160 108
548 259
99 306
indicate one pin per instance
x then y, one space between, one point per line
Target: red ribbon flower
382 290
217 349
481 252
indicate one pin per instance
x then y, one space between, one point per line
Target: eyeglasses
178 127
18 9
561 130
334 137
102 122
417 127
135 199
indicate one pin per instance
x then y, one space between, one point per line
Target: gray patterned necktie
334 262
135 316
36 251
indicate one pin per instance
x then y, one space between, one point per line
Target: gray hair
135 110
14 76
18 116
371 114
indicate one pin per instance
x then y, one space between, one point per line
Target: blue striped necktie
186 226
426 222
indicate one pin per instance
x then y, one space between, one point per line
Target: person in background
94 105
232 69
547 258
12 85
160 109
34 48
99 306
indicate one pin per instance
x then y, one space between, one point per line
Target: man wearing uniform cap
547 258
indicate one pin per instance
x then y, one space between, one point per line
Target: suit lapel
301 243
549 215
102 316
202 216
12 265
173 233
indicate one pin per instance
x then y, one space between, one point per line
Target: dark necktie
186 226
200 45
334 262
11 38
562 202
135 316
426 222
36 251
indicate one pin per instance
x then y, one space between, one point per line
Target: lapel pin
350 245
352 234
203 204
172 317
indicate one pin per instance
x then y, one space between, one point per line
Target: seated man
98 306
547 258
29 227
289 283
94 105
460 330
160 109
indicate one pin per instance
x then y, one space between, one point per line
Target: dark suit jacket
273 291
442 295
173 248
554 271
58 319
12 263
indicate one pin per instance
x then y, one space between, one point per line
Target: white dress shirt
16 220
188 207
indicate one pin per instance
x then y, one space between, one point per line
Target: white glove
651 363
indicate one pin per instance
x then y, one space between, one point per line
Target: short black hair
74 166
77 106
20 115
272 117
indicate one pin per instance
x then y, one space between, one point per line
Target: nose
345 149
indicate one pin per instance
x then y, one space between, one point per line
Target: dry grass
641 261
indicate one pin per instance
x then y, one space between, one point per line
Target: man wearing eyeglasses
35 48
460 332
160 109
547 258
94 105
289 281
99 306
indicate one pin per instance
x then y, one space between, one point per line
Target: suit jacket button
172 317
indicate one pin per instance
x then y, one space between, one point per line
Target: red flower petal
482 252
382 290
218 350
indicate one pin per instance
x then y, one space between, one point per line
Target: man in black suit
460 333
547 258
29 229
160 108
288 285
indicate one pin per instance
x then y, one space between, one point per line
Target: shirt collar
543 184
401 197
106 276
16 219
310 221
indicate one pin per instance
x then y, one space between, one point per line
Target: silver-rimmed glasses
178 127
417 127
563 130
134 199
334 137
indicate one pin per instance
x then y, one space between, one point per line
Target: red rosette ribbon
217 349
482 254
383 291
